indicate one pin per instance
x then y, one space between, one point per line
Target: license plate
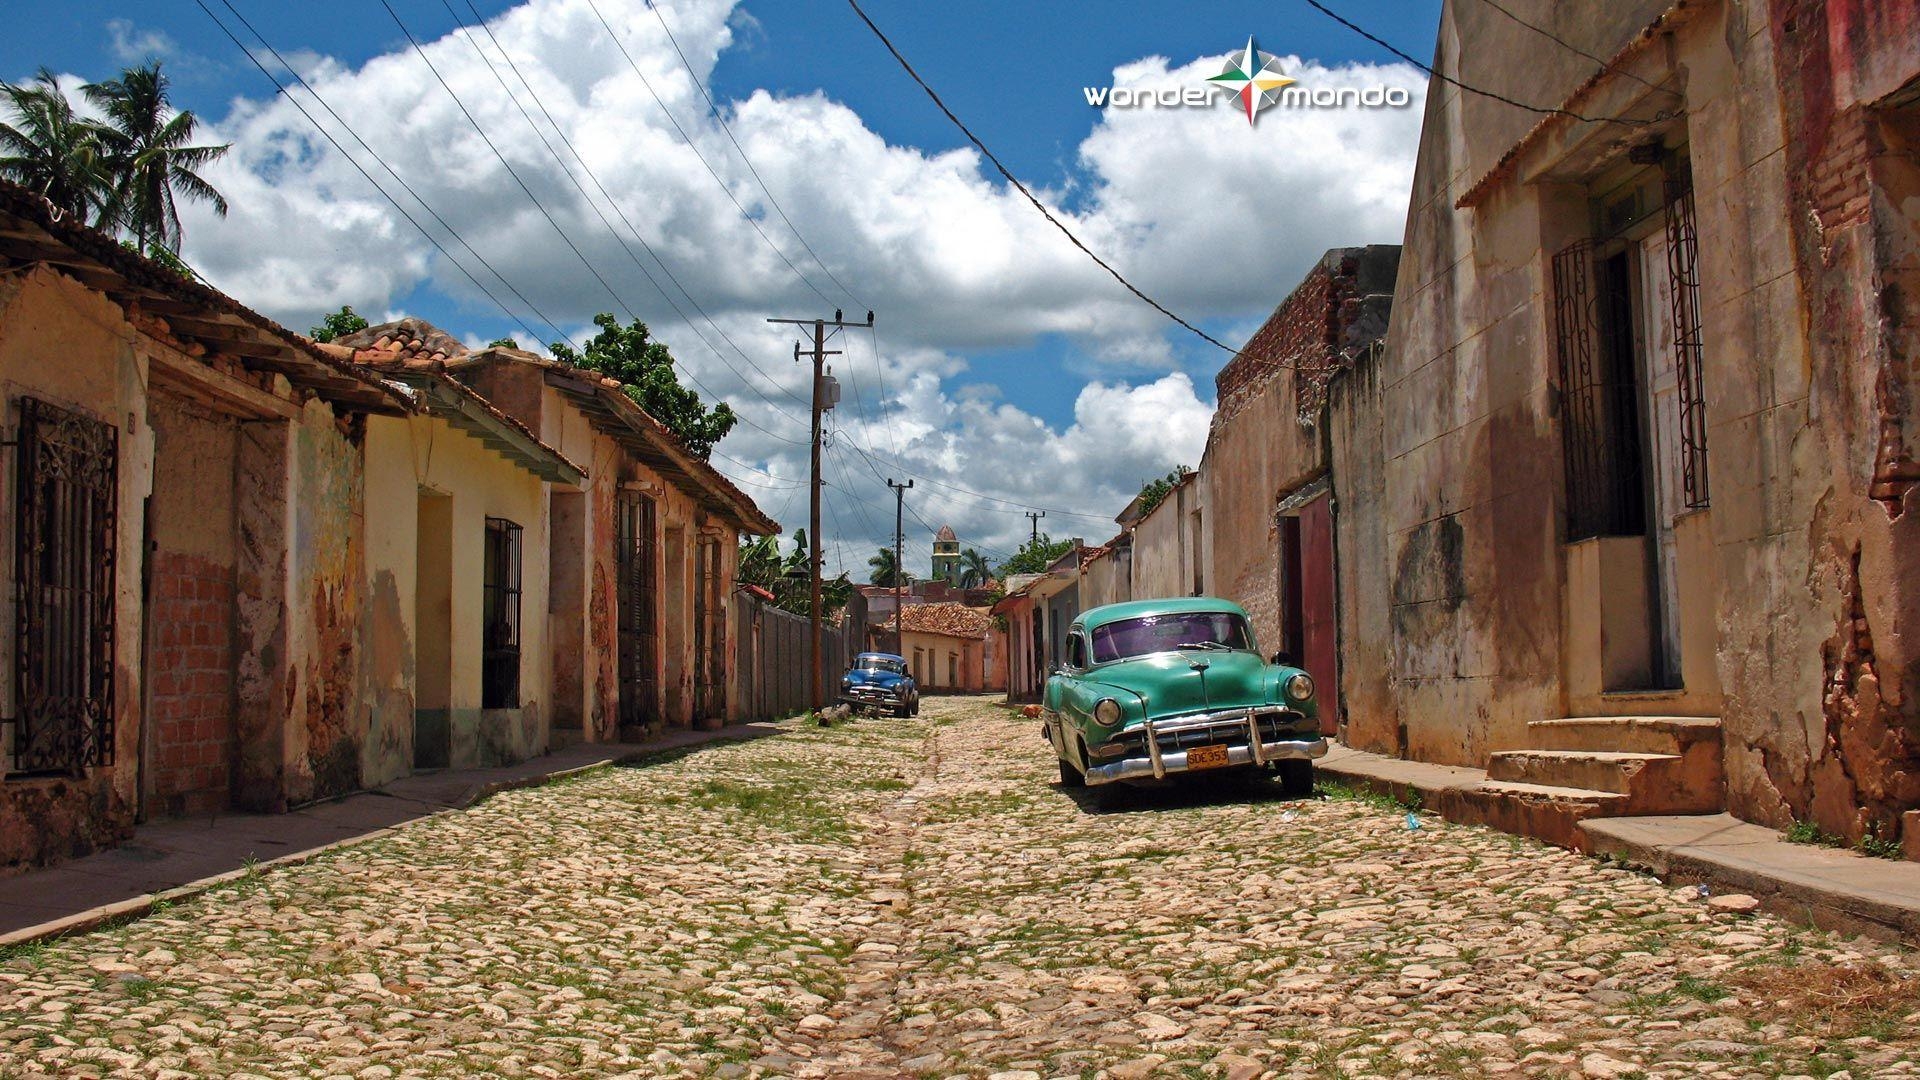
1206 757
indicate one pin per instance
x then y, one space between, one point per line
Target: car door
1068 707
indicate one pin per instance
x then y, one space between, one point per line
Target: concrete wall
70 346
1163 548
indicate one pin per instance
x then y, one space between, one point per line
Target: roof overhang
447 399
616 415
31 231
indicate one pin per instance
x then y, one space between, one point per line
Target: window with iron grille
500 617
64 546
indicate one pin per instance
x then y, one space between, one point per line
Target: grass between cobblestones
705 915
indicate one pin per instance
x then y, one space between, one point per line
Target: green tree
785 576
974 569
503 343
1035 555
147 148
338 324
887 571
645 368
1155 490
50 149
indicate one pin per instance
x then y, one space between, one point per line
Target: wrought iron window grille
500 617
65 546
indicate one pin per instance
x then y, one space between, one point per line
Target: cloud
1215 219
131 45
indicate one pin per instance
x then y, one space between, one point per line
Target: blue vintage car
880 680
1158 688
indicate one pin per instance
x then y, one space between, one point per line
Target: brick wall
191 696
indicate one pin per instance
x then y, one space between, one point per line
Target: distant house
945 646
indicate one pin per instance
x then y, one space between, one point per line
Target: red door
1319 632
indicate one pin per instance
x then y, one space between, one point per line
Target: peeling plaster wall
1822 718
1356 438
68 345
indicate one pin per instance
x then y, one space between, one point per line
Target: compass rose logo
1254 78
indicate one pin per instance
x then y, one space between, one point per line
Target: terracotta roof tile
948 620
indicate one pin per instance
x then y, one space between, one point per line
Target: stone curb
1446 790
136 907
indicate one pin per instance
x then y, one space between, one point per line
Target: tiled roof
412 344
949 620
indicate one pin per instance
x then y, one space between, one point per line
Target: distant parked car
1161 688
881 681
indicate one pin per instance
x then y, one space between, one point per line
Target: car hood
1193 681
873 678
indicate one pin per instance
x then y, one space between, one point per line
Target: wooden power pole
899 568
818 354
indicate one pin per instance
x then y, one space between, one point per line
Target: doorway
1309 626
433 632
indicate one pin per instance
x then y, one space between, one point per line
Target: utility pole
818 354
1035 518
899 543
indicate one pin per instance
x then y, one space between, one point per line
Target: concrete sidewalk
1823 887
171 860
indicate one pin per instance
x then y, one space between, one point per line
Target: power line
688 139
1568 45
561 132
1451 81
618 300
775 203
484 137
351 160
1022 188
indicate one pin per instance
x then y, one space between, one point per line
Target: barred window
500 617
64 546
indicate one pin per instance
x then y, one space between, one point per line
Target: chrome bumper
862 696
1156 763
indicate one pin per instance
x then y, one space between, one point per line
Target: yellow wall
420 454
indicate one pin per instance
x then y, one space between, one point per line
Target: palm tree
147 151
886 569
974 571
50 149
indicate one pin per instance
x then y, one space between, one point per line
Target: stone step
1544 812
1592 770
1627 734
1690 783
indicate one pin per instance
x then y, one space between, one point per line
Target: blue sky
1009 365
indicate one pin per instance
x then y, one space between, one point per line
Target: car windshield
1165 633
876 663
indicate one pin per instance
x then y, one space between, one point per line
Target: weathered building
1268 478
1649 485
185 516
643 547
945 646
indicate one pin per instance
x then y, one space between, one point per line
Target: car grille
1181 733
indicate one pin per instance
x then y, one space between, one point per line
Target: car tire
1296 779
1070 776
916 706
901 712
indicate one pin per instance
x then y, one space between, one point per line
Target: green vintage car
1157 688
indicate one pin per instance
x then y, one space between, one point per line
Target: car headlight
1300 687
1107 712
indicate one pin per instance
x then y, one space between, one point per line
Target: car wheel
1296 779
1070 776
916 706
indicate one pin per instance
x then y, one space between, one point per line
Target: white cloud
130 44
1214 219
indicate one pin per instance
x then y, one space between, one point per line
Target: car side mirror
1283 657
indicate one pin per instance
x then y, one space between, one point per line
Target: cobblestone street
894 898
